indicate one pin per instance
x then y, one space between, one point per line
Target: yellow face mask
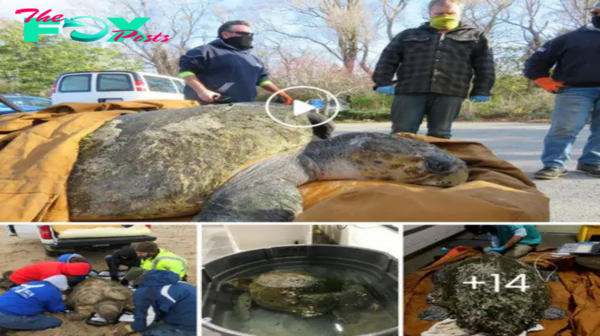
445 22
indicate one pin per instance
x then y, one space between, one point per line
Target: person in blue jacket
22 307
173 303
72 258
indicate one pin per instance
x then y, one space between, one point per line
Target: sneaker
589 169
550 173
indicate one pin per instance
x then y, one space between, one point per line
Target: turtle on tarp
492 294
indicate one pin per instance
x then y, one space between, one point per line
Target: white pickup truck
60 238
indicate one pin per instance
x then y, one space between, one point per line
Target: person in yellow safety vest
155 258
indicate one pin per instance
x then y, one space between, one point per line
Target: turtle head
386 157
237 284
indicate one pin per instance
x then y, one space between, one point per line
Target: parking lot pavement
574 198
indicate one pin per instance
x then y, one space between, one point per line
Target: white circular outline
337 107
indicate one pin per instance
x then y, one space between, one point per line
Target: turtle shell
504 307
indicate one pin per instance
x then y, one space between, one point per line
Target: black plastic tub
376 264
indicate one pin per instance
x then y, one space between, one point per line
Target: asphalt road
574 198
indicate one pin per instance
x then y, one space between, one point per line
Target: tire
51 252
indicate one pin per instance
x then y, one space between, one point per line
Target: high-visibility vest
166 261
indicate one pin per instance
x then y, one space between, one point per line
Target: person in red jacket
46 269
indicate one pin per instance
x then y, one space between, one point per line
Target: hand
123 330
549 84
286 97
479 99
495 249
208 96
386 90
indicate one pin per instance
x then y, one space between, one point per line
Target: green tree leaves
31 68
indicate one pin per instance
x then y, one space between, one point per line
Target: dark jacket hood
127 253
160 278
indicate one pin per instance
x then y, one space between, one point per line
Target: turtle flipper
265 192
242 306
345 316
434 314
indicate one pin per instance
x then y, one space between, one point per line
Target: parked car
110 86
60 238
25 103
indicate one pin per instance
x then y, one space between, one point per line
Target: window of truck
114 82
76 83
159 84
180 85
38 102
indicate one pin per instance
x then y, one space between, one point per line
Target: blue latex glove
496 249
480 99
386 90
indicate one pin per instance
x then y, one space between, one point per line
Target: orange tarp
578 293
38 151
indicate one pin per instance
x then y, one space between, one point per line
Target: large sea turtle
104 297
300 293
502 309
234 163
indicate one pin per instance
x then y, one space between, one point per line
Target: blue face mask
596 21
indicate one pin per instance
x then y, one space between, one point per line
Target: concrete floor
574 198
426 256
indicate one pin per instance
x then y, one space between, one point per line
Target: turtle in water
104 297
300 293
516 304
234 163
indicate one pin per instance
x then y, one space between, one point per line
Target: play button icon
301 107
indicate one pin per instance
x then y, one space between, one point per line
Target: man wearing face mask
576 83
225 69
435 66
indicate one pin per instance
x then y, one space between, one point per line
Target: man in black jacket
435 65
576 82
125 256
226 67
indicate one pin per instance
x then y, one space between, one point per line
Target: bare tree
529 20
574 13
484 14
391 9
180 19
343 28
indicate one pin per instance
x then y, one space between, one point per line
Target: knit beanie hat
59 281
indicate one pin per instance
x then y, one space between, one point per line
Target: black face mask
240 42
596 21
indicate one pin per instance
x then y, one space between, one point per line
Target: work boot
589 169
3 332
550 173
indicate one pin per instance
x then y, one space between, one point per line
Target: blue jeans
408 111
572 109
35 322
166 330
